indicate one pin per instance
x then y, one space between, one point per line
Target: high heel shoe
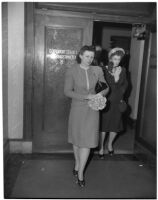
111 153
75 172
101 156
81 183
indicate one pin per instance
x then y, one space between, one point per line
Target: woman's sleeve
69 86
125 82
102 79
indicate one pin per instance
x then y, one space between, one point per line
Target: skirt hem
83 146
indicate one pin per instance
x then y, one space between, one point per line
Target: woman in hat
111 116
83 127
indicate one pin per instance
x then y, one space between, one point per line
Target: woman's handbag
100 86
122 106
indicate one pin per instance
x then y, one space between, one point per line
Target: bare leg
76 155
112 136
83 154
101 147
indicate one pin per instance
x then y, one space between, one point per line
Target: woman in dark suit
80 82
111 117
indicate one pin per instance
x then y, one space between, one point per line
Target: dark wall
97 33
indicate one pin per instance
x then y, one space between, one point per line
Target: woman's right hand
91 96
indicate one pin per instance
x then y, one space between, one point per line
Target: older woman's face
87 58
116 60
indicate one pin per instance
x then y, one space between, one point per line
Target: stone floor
50 176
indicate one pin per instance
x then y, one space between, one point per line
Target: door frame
143 91
30 51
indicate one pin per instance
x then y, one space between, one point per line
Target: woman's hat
112 51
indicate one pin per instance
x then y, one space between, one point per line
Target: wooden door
58 37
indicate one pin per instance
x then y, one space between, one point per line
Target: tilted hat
112 51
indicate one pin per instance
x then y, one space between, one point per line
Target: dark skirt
111 119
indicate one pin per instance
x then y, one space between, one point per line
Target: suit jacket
76 82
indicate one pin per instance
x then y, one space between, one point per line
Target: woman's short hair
82 50
116 51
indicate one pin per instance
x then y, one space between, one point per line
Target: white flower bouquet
98 102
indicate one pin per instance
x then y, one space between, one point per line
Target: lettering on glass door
61 47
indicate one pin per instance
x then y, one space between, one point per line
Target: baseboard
70 151
145 146
20 146
140 148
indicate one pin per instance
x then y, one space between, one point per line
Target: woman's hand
90 96
100 93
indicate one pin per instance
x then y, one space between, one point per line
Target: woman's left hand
91 96
99 94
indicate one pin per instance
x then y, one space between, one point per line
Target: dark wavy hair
82 50
118 53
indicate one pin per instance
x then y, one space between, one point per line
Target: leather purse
100 86
122 106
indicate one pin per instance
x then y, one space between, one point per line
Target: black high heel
111 153
81 183
75 172
101 156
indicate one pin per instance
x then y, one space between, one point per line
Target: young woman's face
116 60
87 58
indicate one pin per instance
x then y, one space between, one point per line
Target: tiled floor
50 176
